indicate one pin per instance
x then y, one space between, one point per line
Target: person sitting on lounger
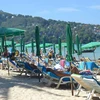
60 71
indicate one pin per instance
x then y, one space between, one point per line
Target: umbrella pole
94 56
71 81
8 66
39 71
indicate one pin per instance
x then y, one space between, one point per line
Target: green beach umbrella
78 44
10 32
69 43
2 43
29 45
13 45
7 32
37 39
90 45
32 43
80 48
26 50
59 42
69 49
44 50
54 49
21 45
46 45
17 45
73 48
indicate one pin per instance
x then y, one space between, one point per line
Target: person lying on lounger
67 72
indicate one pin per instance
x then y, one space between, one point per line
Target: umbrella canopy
46 45
37 39
69 43
7 32
62 45
90 45
10 32
17 45
30 45
59 42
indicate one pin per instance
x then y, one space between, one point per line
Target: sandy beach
15 87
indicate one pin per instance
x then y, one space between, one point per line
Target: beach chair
93 67
89 83
53 78
28 69
14 66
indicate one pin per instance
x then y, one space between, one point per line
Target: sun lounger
14 66
92 66
53 78
89 83
29 69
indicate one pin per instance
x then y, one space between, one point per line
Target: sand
15 87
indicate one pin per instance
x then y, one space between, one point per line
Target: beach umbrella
26 50
80 48
69 43
17 45
13 45
8 32
90 45
69 49
2 43
37 39
21 45
78 44
32 44
73 48
59 42
54 49
29 45
46 45
44 50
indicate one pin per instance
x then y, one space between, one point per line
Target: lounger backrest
14 63
91 65
81 66
27 66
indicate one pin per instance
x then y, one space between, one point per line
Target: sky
81 11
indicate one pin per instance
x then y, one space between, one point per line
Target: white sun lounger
89 83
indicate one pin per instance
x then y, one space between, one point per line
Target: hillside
52 29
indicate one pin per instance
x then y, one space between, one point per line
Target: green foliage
52 29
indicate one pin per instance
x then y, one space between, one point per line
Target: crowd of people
59 68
